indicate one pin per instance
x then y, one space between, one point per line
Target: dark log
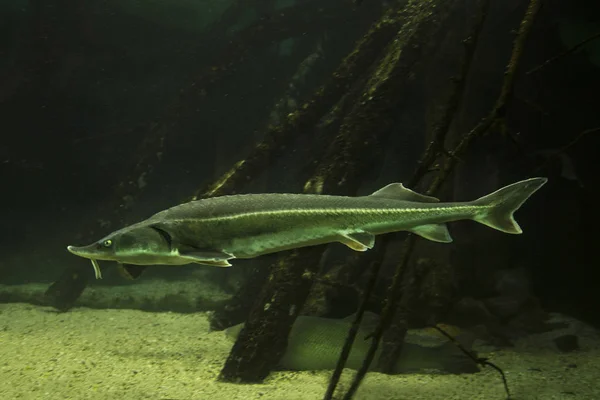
264 337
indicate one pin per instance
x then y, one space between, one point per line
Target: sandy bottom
127 354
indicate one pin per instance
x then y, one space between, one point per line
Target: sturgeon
216 230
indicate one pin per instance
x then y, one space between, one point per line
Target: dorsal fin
397 191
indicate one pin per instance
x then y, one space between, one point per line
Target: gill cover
140 245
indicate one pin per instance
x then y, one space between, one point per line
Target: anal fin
433 232
358 241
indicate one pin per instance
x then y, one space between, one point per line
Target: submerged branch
442 126
337 373
373 114
392 347
571 50
497 113
496 116
308 115
556 154
386 317
263 339
477 360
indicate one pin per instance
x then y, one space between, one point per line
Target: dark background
82 84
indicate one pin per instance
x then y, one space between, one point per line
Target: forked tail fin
501 205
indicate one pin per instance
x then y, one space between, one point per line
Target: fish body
315 343
215 230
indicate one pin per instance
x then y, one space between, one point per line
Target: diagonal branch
565 53
402 273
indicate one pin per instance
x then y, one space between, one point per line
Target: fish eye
107 243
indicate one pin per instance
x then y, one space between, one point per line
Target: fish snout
76 250
90 251
71 249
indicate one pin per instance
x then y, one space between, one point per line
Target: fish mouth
81 252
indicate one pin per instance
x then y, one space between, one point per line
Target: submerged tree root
425 20
276 138
263 339
495 117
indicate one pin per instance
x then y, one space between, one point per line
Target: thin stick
477 360
566 147
337 373
564 53
498 112
386 316
441 128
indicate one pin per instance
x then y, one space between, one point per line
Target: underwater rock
530 319
315 344
471 312
513 282
565 332
503 306
63 293
513 292
567 343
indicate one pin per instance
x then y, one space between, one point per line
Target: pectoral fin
433 232
131 271
358 241
210 257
